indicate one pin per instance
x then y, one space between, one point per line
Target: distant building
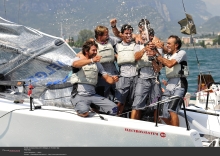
186 40
207 41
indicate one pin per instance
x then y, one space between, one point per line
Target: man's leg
81 105
136 114
175 106
121 93
142 90
120 108
174 119
105 104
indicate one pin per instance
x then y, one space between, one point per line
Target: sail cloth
32 56
187 25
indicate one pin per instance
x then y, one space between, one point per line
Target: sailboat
35 107
203 111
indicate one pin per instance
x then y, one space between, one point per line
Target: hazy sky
213 6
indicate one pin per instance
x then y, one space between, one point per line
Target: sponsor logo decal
163 135
141 131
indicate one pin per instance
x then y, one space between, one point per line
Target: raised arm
115 30
159 44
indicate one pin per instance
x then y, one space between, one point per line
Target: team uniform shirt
148 71
175 82
87 89
110 67
129 69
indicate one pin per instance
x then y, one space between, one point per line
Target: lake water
208 60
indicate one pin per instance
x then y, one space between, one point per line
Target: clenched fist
113 22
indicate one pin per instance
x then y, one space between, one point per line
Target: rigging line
18 11
5 9
183 6
193 42
196 55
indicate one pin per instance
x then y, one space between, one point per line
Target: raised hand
113 22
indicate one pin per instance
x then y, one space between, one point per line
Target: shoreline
200 47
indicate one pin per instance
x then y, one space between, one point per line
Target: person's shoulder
182 51
114 39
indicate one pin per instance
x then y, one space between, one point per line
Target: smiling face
127 35
92 52
172 46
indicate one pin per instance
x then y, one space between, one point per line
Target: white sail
32 56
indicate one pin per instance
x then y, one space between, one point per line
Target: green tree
215 41
203 44
218 39
83 36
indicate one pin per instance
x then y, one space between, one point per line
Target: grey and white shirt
110 67
147 72
87 89
129 69
175 82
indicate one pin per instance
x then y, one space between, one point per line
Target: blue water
208 63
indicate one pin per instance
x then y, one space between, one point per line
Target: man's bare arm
83 62
110 79
115 30
166 62
138 55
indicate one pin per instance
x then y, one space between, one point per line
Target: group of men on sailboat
129 65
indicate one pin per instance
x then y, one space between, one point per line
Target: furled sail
187 25
32 56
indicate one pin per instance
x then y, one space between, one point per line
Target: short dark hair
178 40
143 22
125 27
87 45
151 32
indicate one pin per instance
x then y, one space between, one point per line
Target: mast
61 31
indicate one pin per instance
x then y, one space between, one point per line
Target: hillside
76 15
211 25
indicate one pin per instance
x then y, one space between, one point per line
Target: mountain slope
76 15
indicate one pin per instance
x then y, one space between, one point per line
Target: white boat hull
52 128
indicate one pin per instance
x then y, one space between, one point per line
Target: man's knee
83 114
114 111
